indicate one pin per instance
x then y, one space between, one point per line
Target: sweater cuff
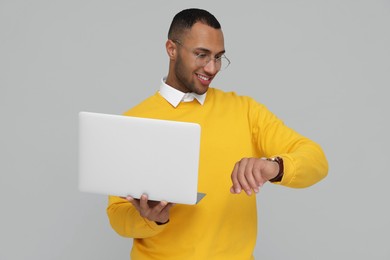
154 226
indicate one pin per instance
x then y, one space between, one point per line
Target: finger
242 178
128 197
143 203
249 175
160 212
159 207
257 176
169 206
236 188
165 206
164 214
134 202
257 172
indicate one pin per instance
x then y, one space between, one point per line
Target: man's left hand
251 174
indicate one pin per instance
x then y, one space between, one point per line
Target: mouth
205 80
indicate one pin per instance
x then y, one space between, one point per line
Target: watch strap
279 161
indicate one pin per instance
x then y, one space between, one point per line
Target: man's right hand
157 211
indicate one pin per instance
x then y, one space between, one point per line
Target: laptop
122 155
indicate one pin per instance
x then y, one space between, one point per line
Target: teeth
203 77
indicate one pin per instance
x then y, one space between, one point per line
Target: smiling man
243 146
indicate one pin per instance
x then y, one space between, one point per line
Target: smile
202 77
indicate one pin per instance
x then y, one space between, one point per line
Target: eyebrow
208 51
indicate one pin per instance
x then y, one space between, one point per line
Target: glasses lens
202 60
221 63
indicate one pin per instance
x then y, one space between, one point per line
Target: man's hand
251 173
157 211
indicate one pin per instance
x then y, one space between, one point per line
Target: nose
211 67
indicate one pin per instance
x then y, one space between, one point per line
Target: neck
171 81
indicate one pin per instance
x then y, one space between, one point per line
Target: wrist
279 175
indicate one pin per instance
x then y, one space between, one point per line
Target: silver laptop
122 155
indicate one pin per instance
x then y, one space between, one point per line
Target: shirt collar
174 96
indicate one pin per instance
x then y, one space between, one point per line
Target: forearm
304 166
127 222
304 160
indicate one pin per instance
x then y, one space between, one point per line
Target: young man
243 146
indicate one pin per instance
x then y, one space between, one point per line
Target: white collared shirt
174 96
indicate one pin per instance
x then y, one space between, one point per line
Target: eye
201 55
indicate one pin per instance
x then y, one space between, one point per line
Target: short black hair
185 19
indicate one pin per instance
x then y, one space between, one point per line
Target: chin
202 90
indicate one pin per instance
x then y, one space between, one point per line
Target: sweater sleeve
304 160
126 220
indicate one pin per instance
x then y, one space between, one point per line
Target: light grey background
321 66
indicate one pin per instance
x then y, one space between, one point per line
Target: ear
171 49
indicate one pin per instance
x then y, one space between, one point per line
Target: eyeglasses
202 59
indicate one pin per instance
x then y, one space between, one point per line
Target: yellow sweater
222 226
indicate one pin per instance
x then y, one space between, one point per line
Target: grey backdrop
322 66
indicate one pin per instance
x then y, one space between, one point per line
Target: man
243 146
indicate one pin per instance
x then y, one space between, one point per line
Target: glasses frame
208 58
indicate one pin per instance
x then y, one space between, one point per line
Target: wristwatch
278 160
